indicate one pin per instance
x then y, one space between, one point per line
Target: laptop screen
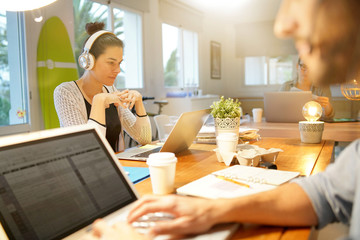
52 187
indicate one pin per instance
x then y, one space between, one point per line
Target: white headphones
86 59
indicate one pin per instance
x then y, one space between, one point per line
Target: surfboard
55 64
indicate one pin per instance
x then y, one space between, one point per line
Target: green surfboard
55 64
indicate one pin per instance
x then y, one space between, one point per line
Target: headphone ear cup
86 61
91 61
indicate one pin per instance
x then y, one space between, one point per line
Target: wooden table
341 132
200 160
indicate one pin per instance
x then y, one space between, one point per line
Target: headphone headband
86 59
92 39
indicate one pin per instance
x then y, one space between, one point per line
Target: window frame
267 77
181 58
17 47
255 91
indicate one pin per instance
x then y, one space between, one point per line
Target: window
269 70
127 25
14 114
180 57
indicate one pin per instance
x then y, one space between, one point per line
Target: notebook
180 138
137 174
285 107
236 181
55 183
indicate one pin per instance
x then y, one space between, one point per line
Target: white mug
257 114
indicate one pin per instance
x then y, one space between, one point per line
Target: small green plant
225 108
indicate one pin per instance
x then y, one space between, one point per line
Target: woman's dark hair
102 42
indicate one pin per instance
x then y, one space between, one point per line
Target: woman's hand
131 97
120 230
325 103
105 99
192 215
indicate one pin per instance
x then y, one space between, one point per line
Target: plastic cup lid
161 159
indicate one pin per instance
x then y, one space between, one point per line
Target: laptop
55 183
180 138
285 107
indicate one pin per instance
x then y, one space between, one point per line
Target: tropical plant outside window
13 95
269 70
126 25
180 57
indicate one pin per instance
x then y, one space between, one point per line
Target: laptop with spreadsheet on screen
55 183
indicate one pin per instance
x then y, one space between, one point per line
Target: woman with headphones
94 100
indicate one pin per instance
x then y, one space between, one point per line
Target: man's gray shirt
335 193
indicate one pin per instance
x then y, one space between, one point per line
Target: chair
163 126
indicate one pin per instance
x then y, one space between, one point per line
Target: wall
32 34
221 32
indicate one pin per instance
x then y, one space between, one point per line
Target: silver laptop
55 183
180 138
285 107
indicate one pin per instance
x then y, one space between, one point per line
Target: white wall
215 30
62 9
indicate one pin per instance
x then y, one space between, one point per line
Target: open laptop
285 107
55 183
180 138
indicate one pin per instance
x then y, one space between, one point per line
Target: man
327 36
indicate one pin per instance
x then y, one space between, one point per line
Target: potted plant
226 113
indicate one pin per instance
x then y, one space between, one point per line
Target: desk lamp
312 129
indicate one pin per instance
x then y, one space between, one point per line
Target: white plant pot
227 125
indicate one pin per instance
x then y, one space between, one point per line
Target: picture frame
215 60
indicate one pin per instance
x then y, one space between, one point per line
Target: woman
94 100
303 83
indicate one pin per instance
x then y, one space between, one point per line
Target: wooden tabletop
200 160
342 132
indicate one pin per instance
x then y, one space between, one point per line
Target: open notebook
236 181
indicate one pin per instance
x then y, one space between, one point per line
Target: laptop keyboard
149 220
147 153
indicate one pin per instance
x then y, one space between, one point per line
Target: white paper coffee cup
227 142
162 167
257 114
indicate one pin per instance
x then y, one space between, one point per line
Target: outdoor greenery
4 67
171 70
225 108
4 104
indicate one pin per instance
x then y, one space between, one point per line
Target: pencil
232 180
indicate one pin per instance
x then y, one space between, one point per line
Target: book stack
207 134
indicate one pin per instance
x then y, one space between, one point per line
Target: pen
231 180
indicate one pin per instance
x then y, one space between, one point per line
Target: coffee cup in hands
162 167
